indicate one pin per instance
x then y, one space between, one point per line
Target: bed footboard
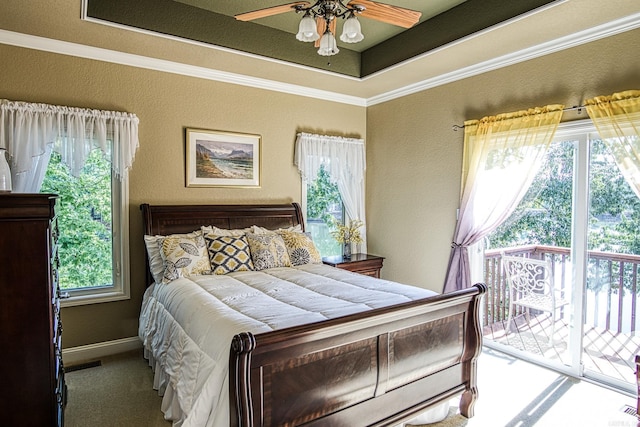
378 368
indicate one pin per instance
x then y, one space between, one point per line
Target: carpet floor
118 393
513 393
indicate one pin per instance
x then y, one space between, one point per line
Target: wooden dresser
33 391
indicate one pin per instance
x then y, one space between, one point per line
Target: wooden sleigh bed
376 368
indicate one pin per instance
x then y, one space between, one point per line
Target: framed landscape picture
222 159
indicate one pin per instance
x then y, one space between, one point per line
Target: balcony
611 340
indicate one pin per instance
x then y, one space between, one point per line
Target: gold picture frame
222 159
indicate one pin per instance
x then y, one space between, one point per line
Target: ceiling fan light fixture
320 16
307 31
351 31
328 45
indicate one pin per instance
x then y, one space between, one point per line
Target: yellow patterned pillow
268 251
228 254
184 256
300 248
154 252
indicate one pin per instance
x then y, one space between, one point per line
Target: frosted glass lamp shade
351 32
5 173
307 31
328 45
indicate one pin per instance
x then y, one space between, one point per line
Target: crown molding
28 41
609 29
100 54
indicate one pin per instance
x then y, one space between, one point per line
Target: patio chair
531 286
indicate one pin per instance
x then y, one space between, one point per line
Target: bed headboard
172 219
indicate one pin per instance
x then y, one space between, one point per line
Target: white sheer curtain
30 131
617 118
344 159
502 155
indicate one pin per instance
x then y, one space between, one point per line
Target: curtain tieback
455 245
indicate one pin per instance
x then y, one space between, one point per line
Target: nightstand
369 265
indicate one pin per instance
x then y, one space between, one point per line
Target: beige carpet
119 393
513 393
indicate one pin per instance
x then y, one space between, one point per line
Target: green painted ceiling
212 22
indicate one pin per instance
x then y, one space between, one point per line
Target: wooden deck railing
612 281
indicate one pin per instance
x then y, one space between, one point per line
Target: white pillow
212 231
261 230
156 265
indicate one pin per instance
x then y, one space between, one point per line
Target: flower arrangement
347 233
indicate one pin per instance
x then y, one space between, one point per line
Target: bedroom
413 170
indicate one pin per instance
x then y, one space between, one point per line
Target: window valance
31 130
340 156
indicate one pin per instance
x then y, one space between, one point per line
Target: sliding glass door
610 340
582 219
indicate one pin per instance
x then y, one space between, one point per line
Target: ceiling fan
321 18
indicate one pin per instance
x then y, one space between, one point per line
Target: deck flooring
605 352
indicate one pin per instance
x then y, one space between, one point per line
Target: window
91 244
324 209
84 155
332 170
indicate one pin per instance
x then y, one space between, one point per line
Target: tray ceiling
385 45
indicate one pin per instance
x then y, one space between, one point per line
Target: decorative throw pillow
156 263
228 254
300 248
268 251
184 256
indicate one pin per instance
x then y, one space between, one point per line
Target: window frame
305 184
121 288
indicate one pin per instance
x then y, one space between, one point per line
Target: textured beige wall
166 104
413 163
61 20
414 158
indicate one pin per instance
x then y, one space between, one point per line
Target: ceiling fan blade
269 11
395 15
321 27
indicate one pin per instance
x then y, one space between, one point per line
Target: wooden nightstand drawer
369 265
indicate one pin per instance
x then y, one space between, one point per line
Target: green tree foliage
84 220
321 195
322 198
615 209
544 215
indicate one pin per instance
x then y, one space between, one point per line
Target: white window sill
85 298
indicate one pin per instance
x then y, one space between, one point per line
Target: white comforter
186 326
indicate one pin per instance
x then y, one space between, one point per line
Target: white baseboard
88 352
